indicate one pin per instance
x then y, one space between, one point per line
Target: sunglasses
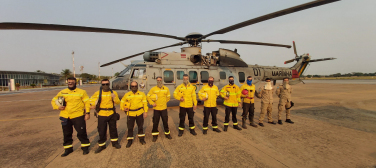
105 84
133 86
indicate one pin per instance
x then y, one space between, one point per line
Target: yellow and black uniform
231 103
137 105
210 104
106 115
248 102
188 93
160 97
77 101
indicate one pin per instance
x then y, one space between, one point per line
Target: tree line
343 75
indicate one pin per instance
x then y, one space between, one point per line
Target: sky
345 30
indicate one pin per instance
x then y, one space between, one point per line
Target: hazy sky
345 30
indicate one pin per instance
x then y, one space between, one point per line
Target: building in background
28 78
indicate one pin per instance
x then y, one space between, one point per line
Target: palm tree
66 73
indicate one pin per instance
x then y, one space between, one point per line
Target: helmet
60 101
127 105
205 95
153 97
245 92
227 94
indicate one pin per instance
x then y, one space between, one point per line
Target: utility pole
112 71
74 71
99 71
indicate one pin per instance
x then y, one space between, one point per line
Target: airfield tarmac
335 126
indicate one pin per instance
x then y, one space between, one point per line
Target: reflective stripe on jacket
77 101
134 101
211 92
234 98
163 96
251 93
188 93
106 102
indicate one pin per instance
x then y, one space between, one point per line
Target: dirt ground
335 126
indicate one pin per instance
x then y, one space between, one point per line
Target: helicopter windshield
128 68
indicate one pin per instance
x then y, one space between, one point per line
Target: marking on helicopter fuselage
164 55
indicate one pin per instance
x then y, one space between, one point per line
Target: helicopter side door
139 75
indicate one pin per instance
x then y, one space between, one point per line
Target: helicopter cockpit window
241 77
168 76
204 76
179 75
222 75
139 73
193 76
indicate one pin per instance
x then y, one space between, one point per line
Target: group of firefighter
76 105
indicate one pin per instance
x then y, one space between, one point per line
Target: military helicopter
173 65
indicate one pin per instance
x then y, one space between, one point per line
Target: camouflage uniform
266 97
284 95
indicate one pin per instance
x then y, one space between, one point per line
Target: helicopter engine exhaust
195 58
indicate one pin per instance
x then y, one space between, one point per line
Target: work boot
168 136
272 122
216 130
142 140
280 122
193 132
225 129
67 152
261 124
205 132
99 150
155 138
289 121
237 127
243 123
253 124
129 144
85 150
116 145
181 132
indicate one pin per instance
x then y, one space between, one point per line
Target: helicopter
171 66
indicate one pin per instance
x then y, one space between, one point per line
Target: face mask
210 83
231 82
286 84
268 86
106 88
134 89
249 82
159 84
72 88
185 82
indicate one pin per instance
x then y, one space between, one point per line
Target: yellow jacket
163 96
251 93
134 101
77 101
211 92
188 93
106 102
234 98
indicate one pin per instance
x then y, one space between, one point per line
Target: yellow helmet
153 97
127 105
205 95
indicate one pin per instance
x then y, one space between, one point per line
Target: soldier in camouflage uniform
284 93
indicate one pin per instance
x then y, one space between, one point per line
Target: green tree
39 71
117 74
66 73
309 76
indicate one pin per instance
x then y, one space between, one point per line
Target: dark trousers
184 111
79 125
233 111
207 111
140 124
156 117
248 108
102 129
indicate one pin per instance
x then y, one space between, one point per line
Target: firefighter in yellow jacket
209 94
186 94
158 97
106 114
72 103
248 102
136 107
231 94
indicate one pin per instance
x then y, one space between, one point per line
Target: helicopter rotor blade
322 59
247 42
289 61
296 54
271 16
56 27
134 55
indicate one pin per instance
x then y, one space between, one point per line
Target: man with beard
265 93
105 99
248 102
72 114
158 97
136 107
231 94
186 94
209 94
284 93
